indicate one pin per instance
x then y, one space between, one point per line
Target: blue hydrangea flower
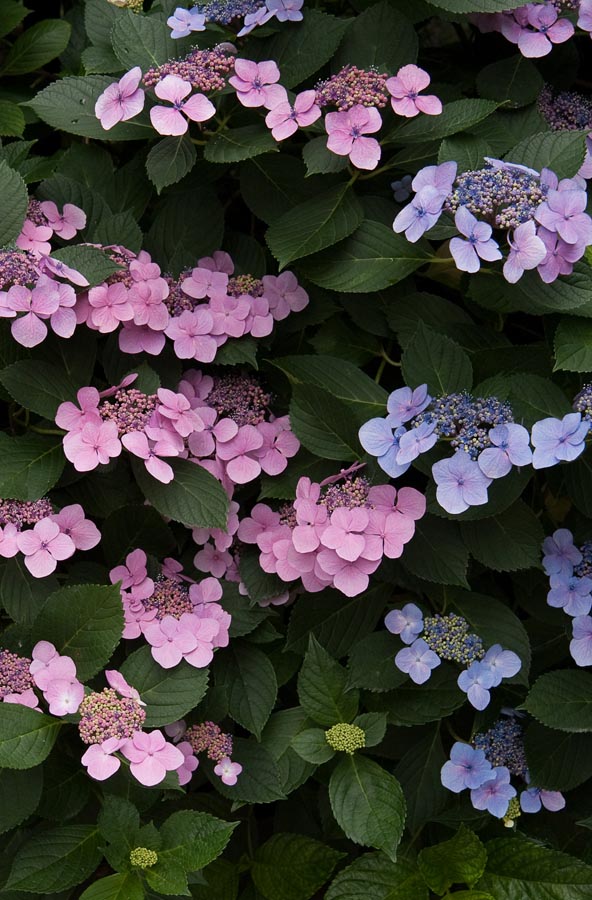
184 21
581 645
494 795
532 799
460 483
466 768
405 403
511 447
417 661
416 441
501 663
406 622
558 440
476 682
560 553
402 188
571 594
378 439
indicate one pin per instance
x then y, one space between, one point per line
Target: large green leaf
437 552
141 40
251 683
169 694
170 160
375 876
323 424
322 688
516 79
520 868
237 144
20 793
56 859
37 46
194 838
379 37
38 386
194 497
29 465
561 151
460 860
292 867
14 204
456 116
125 886
573 345
436 360
26 736
562 700
557 761
508 541
419 775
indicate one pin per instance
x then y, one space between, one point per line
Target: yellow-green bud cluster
135 5
347 738
512 812
143 858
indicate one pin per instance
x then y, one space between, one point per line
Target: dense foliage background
362 812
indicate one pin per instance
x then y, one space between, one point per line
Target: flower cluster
569 111
570 588
449 638
336 533
536 27
252 13
548 228
178 617
208 738
43 536
486 767
198 312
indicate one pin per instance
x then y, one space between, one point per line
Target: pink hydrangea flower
256 83
151 757
405 88
285 119
177 410
228 771
241 467
140 339
65 223
27 698
82 531
110 306
204 282
173 119
190 763
210 559
122 100
29 330
191 333
60 270
137 443
542 29
99 760
64 697
72 418
92 446
527 251
8 541
35 238
351 578
346 132
44 546
279 445
169 640
345 533
284 295
134 575
116 681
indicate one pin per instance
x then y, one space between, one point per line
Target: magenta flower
526 252
191 333
137 443
279 445
65 223
393 529
109 306
405 88
141 339
563 212
479 244
284 119
256 83
64 697
171 119
99 760
34 238
210 559
134 575
147 298
92 446
547 29
228 771
346 132
44 546
241 467
121 101
80 530
8 541
151 757
421 214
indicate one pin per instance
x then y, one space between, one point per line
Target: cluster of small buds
205 70
569 111
570 588
178 617
503 745
544 217
15 677
207 737
352 86
486 441
583 403
18 267
449 638
43 536
338 543
346 738
536 27
142 858
104 715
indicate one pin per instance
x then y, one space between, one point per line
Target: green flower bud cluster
347 738
143 858
512 813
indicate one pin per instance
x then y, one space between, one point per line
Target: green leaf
130 527
374 727
11 14
319 160
66 788
568 294
502 493
437 552
292 867
38 386
194 498
119 820
235 352
315 224
100 61
236 144
368 804
534 398
557 761
562 700
91 262
436 360
460 860
15 198
37 46
482 6
26 736
251 683
260 585
125 886
69 105
12 120
456 116
506 542
84 622
22 595
29 465
419 775
323 424
516 79
260 780
517 867
561 151
177 236
380 38
372 258
573 345
374 877
411 704
371 664
194 839
273 183
56 859
20 793
322 688
311 744
170 160
142 40
169 694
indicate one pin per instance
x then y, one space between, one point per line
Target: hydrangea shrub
295 481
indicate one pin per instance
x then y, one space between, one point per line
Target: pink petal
167 120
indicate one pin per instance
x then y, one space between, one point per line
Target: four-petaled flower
405 88
347 130
184 21
121 101
285 119
417 661
466 768
173 119
478 245
256 83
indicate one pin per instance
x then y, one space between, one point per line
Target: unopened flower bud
347 738
512 813
143 858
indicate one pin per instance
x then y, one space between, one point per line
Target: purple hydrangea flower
461 483
439 177
526 252
563 212
406 622
532 799
475 682
466 768
581 645
495 794
378 439
561 554
478 245
421 214
511 447
417 661
501 663
571 594
184 21
558 440
405 403
416 441
402 188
